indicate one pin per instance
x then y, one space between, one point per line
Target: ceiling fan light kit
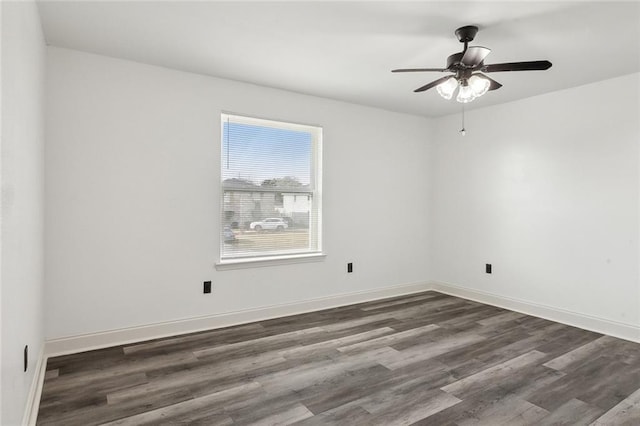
447 88
468 67
465 94
479 85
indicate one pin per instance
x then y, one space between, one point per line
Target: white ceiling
345 50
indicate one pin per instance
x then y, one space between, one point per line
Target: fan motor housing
454 60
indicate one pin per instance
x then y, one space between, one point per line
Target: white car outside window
269 224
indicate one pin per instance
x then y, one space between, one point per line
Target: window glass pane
270 177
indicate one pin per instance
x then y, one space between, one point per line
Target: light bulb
479 85
465 94
446 88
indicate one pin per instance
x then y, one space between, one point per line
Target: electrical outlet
207 287
487 268
349 267
26 357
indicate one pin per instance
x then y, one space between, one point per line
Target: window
271 190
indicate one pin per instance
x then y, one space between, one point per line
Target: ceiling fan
468 67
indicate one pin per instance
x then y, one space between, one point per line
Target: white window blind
271 189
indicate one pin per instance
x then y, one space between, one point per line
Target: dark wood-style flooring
426 359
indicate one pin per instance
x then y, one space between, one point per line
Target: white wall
546 190
22 211
133 200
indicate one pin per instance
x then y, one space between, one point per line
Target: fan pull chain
463 131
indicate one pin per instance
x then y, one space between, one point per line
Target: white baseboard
35 391
587 322
109 338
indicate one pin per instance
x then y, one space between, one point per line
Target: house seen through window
271 188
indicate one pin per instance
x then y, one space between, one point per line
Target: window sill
258 262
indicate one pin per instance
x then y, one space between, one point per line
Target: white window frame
315 252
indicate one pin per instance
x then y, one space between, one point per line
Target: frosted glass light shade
447 88
479 85
465 94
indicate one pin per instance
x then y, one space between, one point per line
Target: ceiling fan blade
432 84
494 84
474 55
518 66
420 70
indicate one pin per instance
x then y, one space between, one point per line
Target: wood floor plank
288 416
507 316
126 372
360 320
195 340
61 390
90 360
387 340
353 339
343 415
267 408
193 376
423 359
507 411
415 406
430 350
469 317
51 374
231 347
300 377
483 348
404 301
479 380
573 413
325 395
627 412
602 382
587 350
170 412
82 412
